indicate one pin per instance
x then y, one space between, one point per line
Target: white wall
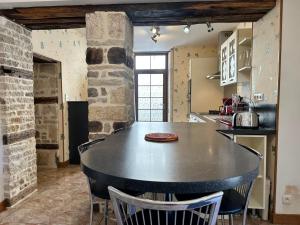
179 72
288 166
206 94
68 47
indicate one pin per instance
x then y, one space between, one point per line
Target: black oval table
202 160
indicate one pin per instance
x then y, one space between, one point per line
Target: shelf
245 69
254 204
246 42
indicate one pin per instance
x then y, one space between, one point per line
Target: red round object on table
161 137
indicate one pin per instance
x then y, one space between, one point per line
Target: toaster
245 119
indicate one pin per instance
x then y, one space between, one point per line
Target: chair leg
106 213
91 212
222 219
244 217
230 219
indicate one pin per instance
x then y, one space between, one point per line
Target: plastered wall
288 180
68 47
179 73
265 59
206 94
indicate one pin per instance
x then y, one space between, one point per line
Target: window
151 87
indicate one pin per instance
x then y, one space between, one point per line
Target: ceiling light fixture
155 31
187 29
209 27
154 38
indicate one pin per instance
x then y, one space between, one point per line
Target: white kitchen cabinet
224 63
236 57
232 59
258 143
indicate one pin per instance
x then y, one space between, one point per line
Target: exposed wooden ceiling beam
176 13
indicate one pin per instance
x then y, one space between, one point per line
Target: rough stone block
103 91
116 55
116 22
121 95
108 113
95 126
94 56
95 25
119 125
46 158
93 74
104 82
107 128
92 92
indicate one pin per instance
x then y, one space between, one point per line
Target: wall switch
258 96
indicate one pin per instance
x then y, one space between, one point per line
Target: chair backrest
95 188
245 189
117 130
83 147
130 210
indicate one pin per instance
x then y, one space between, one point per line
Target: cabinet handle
260 156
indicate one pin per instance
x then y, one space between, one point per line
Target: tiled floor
61 199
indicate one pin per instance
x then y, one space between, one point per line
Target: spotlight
154 38
209 27
187 29
154 29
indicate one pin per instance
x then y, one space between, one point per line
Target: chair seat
137 219
232 201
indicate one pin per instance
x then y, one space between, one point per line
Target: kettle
248 119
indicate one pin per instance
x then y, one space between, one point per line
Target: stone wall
46 78
17 111
110 71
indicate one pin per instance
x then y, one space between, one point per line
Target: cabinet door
232 59
224 64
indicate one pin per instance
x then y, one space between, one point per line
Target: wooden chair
131 210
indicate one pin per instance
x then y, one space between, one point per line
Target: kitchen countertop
223 128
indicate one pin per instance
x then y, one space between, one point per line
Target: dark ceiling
176 13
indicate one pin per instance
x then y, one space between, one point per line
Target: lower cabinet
259 192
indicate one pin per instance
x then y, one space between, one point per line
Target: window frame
165 73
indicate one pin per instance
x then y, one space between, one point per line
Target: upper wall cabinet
236 57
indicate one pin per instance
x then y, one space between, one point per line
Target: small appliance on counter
246 119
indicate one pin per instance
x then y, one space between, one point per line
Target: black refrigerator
78 128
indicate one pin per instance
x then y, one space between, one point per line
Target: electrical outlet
287 199
258 96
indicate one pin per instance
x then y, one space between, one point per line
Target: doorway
48 111
151 87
